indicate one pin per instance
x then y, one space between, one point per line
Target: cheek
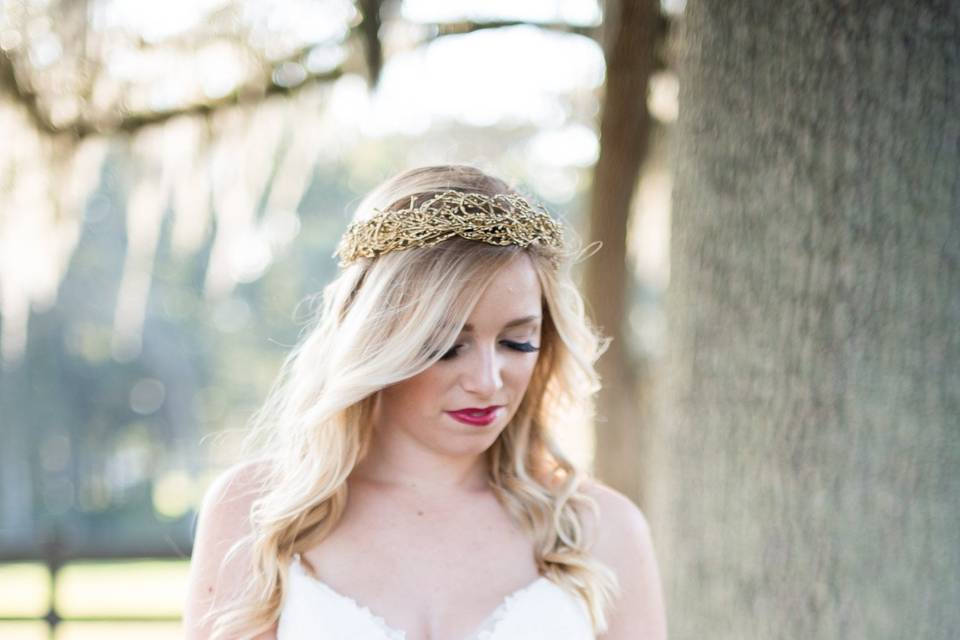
419 392
521 374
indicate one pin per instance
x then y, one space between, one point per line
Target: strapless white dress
542 610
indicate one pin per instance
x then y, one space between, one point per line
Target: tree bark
630 39
809 461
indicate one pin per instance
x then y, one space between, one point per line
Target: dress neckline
485 631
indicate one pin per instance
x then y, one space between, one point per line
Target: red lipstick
475 416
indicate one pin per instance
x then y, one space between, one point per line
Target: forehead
514 293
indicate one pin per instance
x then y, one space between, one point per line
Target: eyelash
523 347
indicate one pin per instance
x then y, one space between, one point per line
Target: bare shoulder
223 521
232 492
621 539
224 515
617 519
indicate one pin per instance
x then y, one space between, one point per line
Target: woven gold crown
500 219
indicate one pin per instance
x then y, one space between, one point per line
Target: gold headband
500 219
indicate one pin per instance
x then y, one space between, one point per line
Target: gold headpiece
500 219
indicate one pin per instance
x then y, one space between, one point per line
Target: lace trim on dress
388 631
486 631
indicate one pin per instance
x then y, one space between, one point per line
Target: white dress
542 610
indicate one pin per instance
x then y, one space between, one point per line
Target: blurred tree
101 69
59 71
633 30
76 94
809 461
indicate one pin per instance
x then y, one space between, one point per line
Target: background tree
632 31
808 459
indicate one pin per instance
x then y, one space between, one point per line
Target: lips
476 416
477 410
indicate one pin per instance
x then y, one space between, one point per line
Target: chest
433 568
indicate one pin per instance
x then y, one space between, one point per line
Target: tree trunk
809 456
630 31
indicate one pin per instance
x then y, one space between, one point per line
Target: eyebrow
513 323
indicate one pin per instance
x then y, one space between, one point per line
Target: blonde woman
402 483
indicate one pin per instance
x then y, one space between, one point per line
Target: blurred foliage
176 184
115 447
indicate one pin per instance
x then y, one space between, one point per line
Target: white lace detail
388 631
541 610
488 629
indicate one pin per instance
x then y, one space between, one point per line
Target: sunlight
155 21
572 145
38 224
517 80
582 12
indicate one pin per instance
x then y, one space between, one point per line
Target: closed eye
524 347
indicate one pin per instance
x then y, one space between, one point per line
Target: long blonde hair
382 321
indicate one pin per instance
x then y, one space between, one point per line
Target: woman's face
490 365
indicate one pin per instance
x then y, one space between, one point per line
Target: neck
401 464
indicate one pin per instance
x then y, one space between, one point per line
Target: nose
481 375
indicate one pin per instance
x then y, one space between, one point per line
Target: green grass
24 590
120 589
92 631
23 631
118 631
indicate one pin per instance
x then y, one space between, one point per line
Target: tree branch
132 121
26 97
369 31
663 24
249 93
470 26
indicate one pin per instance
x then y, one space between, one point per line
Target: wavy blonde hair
382 321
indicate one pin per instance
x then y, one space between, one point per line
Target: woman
406 485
